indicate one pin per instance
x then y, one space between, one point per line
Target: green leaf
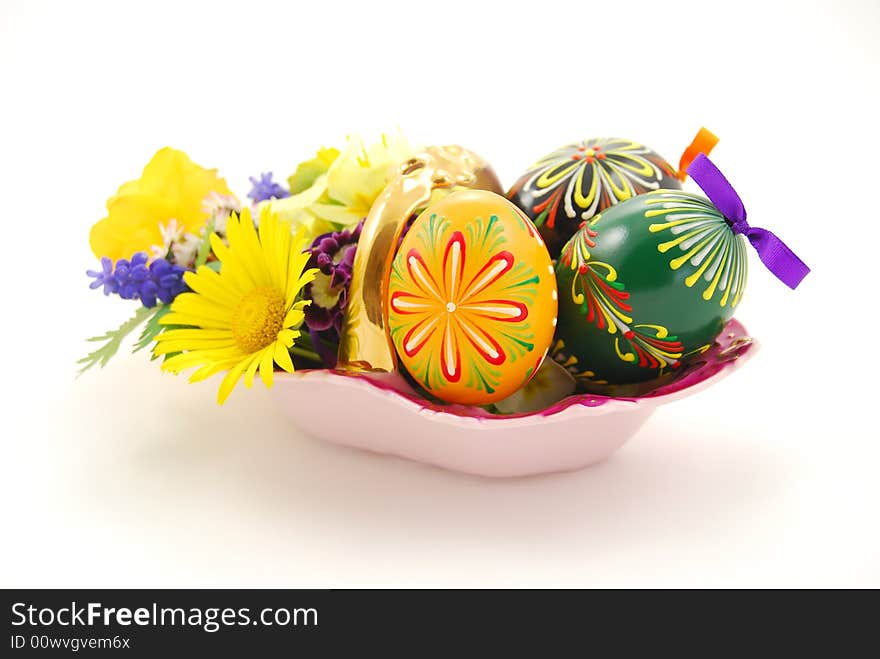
152 328
205 246
112 340
307 172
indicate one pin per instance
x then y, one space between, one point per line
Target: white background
128 477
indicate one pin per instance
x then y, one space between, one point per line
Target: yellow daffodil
336 189
358 176
308 171
172 187
244 317
297 209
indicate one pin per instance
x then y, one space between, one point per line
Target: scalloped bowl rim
398 390
380 413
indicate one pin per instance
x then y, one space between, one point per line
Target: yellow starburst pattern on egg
245 317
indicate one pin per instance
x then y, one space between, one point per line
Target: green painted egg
645 288
579 180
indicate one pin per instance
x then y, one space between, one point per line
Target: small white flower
171 233
184 250
180 245
219 206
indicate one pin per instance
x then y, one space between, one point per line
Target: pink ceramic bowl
382 413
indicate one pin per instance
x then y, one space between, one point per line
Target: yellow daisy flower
246 316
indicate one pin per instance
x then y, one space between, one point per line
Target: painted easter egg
579 180
472 299
645 288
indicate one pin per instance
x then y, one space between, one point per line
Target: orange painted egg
472 298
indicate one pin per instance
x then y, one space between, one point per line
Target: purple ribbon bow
774 253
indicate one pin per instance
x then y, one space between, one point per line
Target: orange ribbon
704 142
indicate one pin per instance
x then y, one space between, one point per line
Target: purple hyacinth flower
135 279
147 293
104 277
265 188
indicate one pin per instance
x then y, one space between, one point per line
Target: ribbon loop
774 254
704 141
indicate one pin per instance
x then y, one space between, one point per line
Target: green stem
307 354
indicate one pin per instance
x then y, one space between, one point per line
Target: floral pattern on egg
472 299
577 181
646 287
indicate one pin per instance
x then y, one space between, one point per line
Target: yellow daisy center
257 319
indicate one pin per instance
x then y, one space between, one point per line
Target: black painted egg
577 181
